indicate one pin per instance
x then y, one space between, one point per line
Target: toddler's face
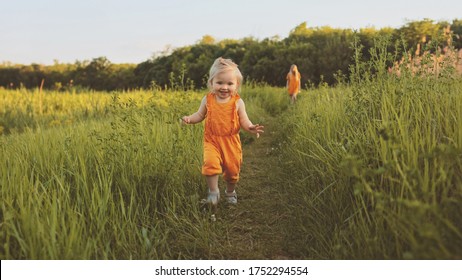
224 84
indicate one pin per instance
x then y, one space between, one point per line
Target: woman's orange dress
294 83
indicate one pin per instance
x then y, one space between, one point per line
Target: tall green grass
22 109
378 169
374 171
101 189
123 186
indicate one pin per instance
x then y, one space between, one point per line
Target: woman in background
293 83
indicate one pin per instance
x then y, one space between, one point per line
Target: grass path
257 225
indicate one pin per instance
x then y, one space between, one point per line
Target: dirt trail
257 223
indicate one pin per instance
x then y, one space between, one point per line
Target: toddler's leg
230 187
231 195
212 183
214 193
231 176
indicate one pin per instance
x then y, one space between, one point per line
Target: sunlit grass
377 167
373 170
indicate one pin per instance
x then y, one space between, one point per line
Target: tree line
323 55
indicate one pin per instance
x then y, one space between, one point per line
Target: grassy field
378 170
369 170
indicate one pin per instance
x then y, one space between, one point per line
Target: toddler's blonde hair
221 65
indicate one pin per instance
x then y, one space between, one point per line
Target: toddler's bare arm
197 116
245 122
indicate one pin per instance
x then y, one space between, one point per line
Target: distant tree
207 40
301 30
456 28
317 51
10 77
418 33
97 74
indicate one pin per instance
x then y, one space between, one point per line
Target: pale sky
132 31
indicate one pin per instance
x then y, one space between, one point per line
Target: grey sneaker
213 198
231 197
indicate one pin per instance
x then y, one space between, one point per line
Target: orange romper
222 144
294 83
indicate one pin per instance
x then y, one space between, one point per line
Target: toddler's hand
185 120
256 129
